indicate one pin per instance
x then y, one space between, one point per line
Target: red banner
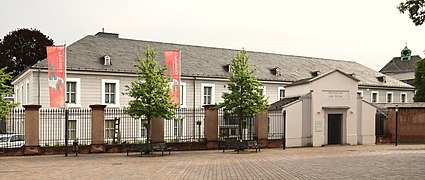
173 72
56 75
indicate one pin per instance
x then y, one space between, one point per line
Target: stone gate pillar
32 129
98 128
261 127
211 126
157 130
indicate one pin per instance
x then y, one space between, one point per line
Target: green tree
5 104
150 92
244 98
419 81
23 48
416 10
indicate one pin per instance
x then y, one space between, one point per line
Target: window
263 90
109 128
403 97
281 93
16 100
178 127
71 92
72 129
207 94
374 97
143 131
110 92
22 94
72 95
27 93
182 94
389 97
360 93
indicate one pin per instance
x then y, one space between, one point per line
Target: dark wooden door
334 128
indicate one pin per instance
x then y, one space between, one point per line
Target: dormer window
277 71
107 60
382 79
315 73
227 68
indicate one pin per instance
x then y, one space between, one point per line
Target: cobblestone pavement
331 162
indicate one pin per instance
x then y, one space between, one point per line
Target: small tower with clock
405 54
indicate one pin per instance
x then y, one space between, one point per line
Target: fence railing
12 129
228 126
276 127
188 126
52 126
131 131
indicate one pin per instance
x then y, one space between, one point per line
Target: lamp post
396 125
199 130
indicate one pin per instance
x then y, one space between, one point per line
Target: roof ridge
220 48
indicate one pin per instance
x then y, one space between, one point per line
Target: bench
254 145
138 148
161 147
144 148
233 144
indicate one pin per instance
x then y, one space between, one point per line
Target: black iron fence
380 122
128 130
230 126
188 126
276 127
12 129
52 126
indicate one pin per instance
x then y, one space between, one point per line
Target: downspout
38 98
194 106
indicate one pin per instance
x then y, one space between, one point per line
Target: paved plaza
331 162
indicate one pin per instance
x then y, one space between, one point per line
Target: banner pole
65 105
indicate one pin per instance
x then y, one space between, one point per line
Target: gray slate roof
398 66
87 53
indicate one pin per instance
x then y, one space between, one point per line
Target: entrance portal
334 128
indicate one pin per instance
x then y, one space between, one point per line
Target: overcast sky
370 32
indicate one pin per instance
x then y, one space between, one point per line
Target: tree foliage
419 81
22 48
150 92
5 104
244 98
416 10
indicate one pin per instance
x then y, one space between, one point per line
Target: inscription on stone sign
318 126
336 94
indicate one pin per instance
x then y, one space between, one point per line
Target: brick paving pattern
332 162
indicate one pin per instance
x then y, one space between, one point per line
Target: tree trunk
240 126
148 131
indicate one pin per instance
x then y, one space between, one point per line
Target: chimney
106 35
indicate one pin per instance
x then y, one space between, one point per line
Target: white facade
310 119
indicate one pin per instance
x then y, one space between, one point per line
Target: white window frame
183 98
264 88
22 94
117 92
278 92
361 94
203 85
405 95
27 92
392 97
16 95
377 96
77 91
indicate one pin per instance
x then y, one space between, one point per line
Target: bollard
75 147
